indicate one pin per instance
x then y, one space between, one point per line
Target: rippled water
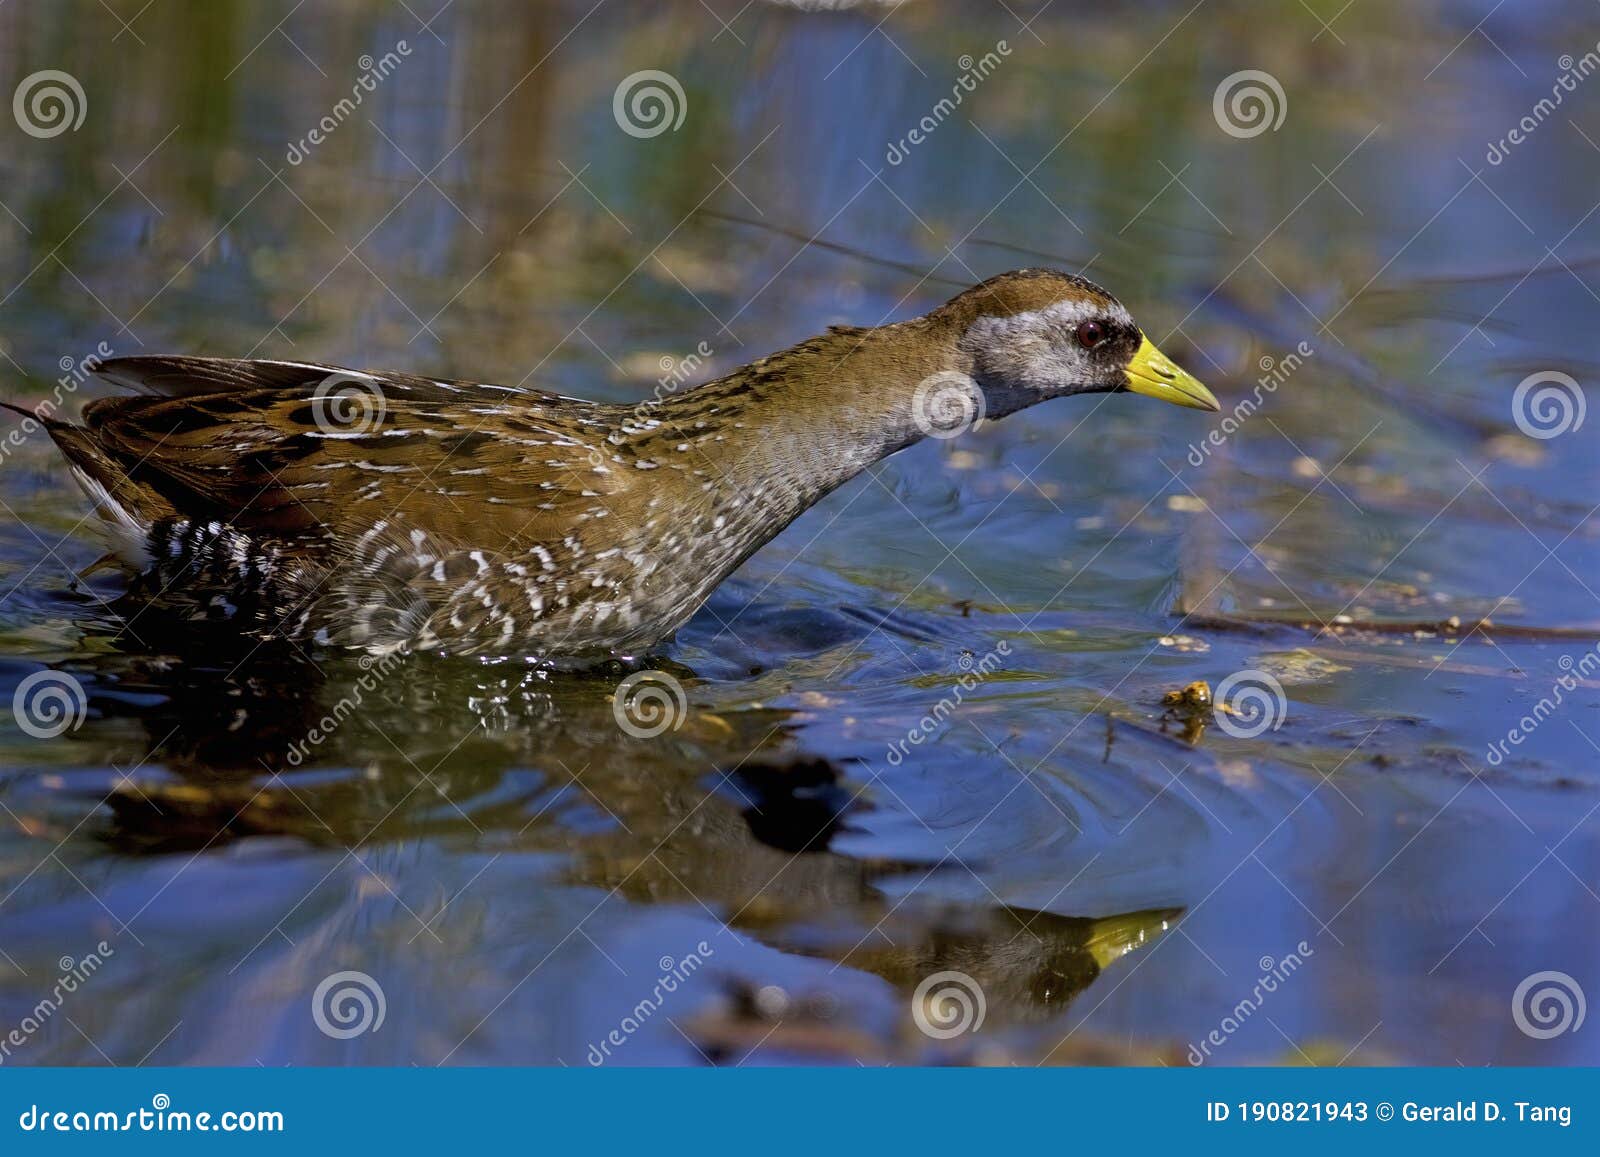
515 872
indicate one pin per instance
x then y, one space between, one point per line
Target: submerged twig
1449 629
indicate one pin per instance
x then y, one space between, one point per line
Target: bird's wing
495 471
176 376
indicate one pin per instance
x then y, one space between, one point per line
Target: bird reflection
726 810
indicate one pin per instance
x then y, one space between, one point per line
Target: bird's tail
124 506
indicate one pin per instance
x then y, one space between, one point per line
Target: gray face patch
1020 358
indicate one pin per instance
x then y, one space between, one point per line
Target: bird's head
1035 333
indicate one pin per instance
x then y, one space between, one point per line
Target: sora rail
386 511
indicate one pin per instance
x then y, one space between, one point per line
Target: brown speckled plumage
385 510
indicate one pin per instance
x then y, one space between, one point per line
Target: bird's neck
795 426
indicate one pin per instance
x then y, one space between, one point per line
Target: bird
389 512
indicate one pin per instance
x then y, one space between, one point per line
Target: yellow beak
1153 374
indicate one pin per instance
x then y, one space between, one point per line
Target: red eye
1091 334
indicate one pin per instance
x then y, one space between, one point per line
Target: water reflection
728 814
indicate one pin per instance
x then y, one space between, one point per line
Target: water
515 872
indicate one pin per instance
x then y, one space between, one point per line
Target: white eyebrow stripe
1061 314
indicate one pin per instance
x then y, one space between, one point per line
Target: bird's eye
1091 334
